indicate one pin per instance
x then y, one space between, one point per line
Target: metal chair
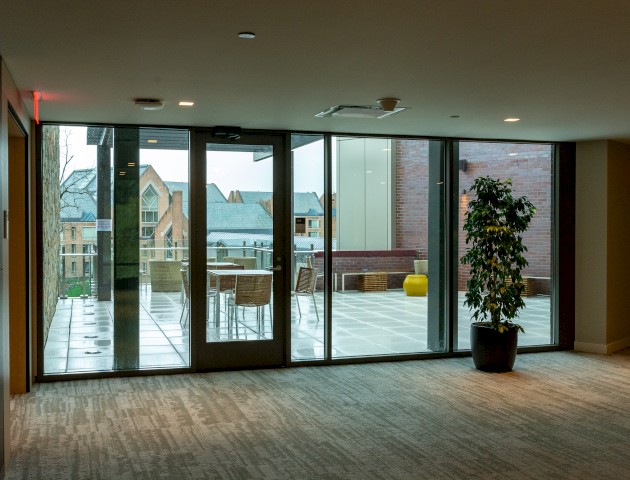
305 286
183 319
250 291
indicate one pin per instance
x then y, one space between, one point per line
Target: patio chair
305 286
250 291
183 319
227 285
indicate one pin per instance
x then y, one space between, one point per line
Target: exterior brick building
529 167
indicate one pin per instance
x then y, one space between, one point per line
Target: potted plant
494 224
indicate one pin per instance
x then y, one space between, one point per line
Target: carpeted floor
560 415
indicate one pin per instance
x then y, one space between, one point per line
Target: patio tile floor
364 324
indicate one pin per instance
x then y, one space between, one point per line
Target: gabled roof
78 207
255 197
80 181
213 194
307 204
304 203
242 217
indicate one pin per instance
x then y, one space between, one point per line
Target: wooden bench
367 281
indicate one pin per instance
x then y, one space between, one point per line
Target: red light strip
36 96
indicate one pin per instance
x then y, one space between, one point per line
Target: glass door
237 260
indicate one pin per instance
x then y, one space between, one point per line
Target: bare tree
72 183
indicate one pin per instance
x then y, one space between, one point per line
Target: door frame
240 354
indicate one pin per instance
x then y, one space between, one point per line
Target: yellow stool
416 285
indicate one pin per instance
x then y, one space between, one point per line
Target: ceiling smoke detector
358 111
149 103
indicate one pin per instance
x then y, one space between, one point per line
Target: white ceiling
562 66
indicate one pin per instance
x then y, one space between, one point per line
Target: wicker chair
250 291
227 286
305 286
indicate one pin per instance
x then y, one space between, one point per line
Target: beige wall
602 226
618 320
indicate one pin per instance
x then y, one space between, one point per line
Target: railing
75 283
82 281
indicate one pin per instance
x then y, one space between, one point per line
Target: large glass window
307 304
380 204
103 309
529 166
380 263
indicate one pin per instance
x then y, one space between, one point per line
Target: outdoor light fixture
463 165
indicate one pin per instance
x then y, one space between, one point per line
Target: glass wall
530 167
115 234
381 258
307 275
115 244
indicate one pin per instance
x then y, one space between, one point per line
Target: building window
88 233
73 233
149 205
73 267
73 248
148 232
313 234
86 248
313 224
168 243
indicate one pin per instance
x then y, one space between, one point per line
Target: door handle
277 268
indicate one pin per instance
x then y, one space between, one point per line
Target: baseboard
602 348
619 345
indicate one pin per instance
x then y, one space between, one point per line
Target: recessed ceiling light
151 141
512 154
186 104
511 119
247 35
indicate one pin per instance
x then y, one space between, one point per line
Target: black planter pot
493 351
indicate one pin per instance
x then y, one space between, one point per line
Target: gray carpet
559 415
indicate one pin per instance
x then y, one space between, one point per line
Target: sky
228 170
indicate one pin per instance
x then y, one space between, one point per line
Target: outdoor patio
364 324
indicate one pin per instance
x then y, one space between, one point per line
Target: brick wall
530 171
370 261
412 195
50 224
529 168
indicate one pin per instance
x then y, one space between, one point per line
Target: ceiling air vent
357 111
